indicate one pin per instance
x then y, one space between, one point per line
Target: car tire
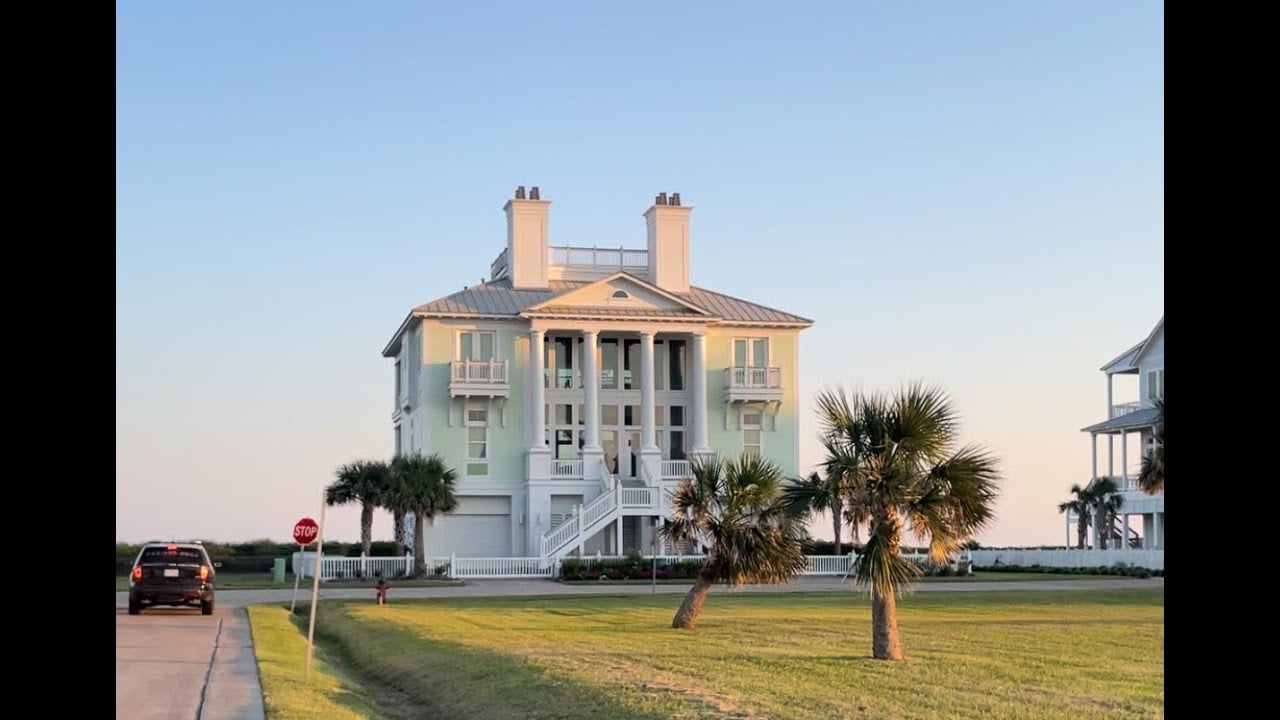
206 607
134 607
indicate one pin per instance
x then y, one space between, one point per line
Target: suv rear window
165 555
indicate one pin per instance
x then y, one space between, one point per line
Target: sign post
315 586
304 533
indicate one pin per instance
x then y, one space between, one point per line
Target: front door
632 469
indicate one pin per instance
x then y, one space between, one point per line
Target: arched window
620 294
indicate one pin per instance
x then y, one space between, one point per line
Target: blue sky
970 194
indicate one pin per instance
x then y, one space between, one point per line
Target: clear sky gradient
970 194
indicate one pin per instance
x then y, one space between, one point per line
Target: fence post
408 563
449 574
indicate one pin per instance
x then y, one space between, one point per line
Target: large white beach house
1127 424
570 389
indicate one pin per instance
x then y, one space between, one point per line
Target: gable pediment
618 294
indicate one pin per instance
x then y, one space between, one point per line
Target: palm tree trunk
885 644
398 517
837 521
687 616
419 543
366 528
1101 531
1082 529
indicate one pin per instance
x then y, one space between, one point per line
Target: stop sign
305 531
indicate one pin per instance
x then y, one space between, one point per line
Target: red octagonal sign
305 532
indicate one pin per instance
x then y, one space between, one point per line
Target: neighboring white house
1131 424
570 388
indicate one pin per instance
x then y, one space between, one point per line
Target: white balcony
479 378
566 469
753 384
1122 409
590 263
676 469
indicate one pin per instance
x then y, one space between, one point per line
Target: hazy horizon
968 195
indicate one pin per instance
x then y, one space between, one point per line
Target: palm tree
425 487
1151 479
1104 493
1082 506
365 482
396 500
736 509
900 456
816 494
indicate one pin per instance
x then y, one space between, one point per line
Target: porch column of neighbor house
1093 446
617 548
592 453
1111 459
1109 403
700 446
1067 518
650 453
1157 523
1124 460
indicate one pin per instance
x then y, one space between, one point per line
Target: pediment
620 294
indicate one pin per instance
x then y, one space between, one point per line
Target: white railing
1123 409
1073 558
480 371
828 564
607 478
352 567
498 269
501 567
599 257
641 497
566 468
560 535
676 469
750 378
582 521
553 379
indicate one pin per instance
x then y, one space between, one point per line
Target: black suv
173 573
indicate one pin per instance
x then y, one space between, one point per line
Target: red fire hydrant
382 591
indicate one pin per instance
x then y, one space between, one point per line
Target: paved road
175 664
178 664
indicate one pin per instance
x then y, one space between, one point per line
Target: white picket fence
337 568
1071 558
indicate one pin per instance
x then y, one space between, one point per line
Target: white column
1124 459
700 394
537 392
1109 404
648 441
1111 459
1093 445
1155 531
591 390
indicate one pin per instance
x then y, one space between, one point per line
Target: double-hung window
477 426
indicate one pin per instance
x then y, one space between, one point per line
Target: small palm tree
1082 505
1151 479
365 482
736 509
818 494
1104 493
426 487
901 458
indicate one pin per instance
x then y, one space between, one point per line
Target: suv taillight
204 573
137 572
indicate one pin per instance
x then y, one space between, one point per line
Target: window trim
749 339
467 423
457 343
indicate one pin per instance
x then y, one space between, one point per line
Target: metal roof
498 299
1129 421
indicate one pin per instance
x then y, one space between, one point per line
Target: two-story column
592 453
700 446
538 458
650 453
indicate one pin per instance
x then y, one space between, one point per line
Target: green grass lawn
262 581
1029 654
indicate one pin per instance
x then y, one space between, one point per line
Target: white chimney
527 252
668 231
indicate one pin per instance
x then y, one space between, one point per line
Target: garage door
480 527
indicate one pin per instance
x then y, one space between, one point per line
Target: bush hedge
630 568
1117 569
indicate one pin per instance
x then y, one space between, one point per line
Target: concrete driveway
179 664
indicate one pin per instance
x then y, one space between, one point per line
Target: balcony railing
676 469
489 372
566 468
499 269
1123 409
753 378
596 257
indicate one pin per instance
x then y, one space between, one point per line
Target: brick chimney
527 252
668 233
